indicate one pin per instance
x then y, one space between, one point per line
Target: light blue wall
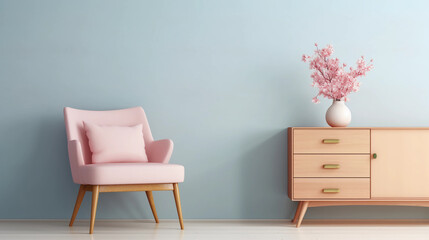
223 79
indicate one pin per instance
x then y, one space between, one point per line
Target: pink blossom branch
333 81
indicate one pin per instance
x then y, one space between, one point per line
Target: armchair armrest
75 153
159 151
75 158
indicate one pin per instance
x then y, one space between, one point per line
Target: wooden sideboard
357 166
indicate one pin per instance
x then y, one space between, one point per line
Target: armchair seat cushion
130 173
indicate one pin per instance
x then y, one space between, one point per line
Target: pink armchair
156 175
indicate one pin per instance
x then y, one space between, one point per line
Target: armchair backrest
74 119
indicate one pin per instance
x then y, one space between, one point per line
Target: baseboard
307 220
149 220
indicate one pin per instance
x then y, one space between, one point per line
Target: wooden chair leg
298 210
79 199
178 206
149 196
95 192
302 213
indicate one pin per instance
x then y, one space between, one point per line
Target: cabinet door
401 168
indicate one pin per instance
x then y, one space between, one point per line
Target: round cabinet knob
374 155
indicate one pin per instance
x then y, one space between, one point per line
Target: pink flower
316 100
305 57
331 77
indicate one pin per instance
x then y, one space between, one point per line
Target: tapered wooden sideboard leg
302 213
298 210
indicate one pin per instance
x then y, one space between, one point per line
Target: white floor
216 229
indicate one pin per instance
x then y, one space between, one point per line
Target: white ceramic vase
338 114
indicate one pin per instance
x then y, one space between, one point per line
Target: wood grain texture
351 141
95 192
148 188
303 210
401 168
349 165
360 128
369 203
136 187
397 176
298 211
178 205
79 199
309 188
290 162
149 196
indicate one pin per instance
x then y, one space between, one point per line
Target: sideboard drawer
331 188
331 141
331 166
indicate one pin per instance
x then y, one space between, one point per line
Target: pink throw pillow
116 144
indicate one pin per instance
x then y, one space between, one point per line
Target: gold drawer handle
331 141
331 166
331 190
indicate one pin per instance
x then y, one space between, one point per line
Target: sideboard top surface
361 128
